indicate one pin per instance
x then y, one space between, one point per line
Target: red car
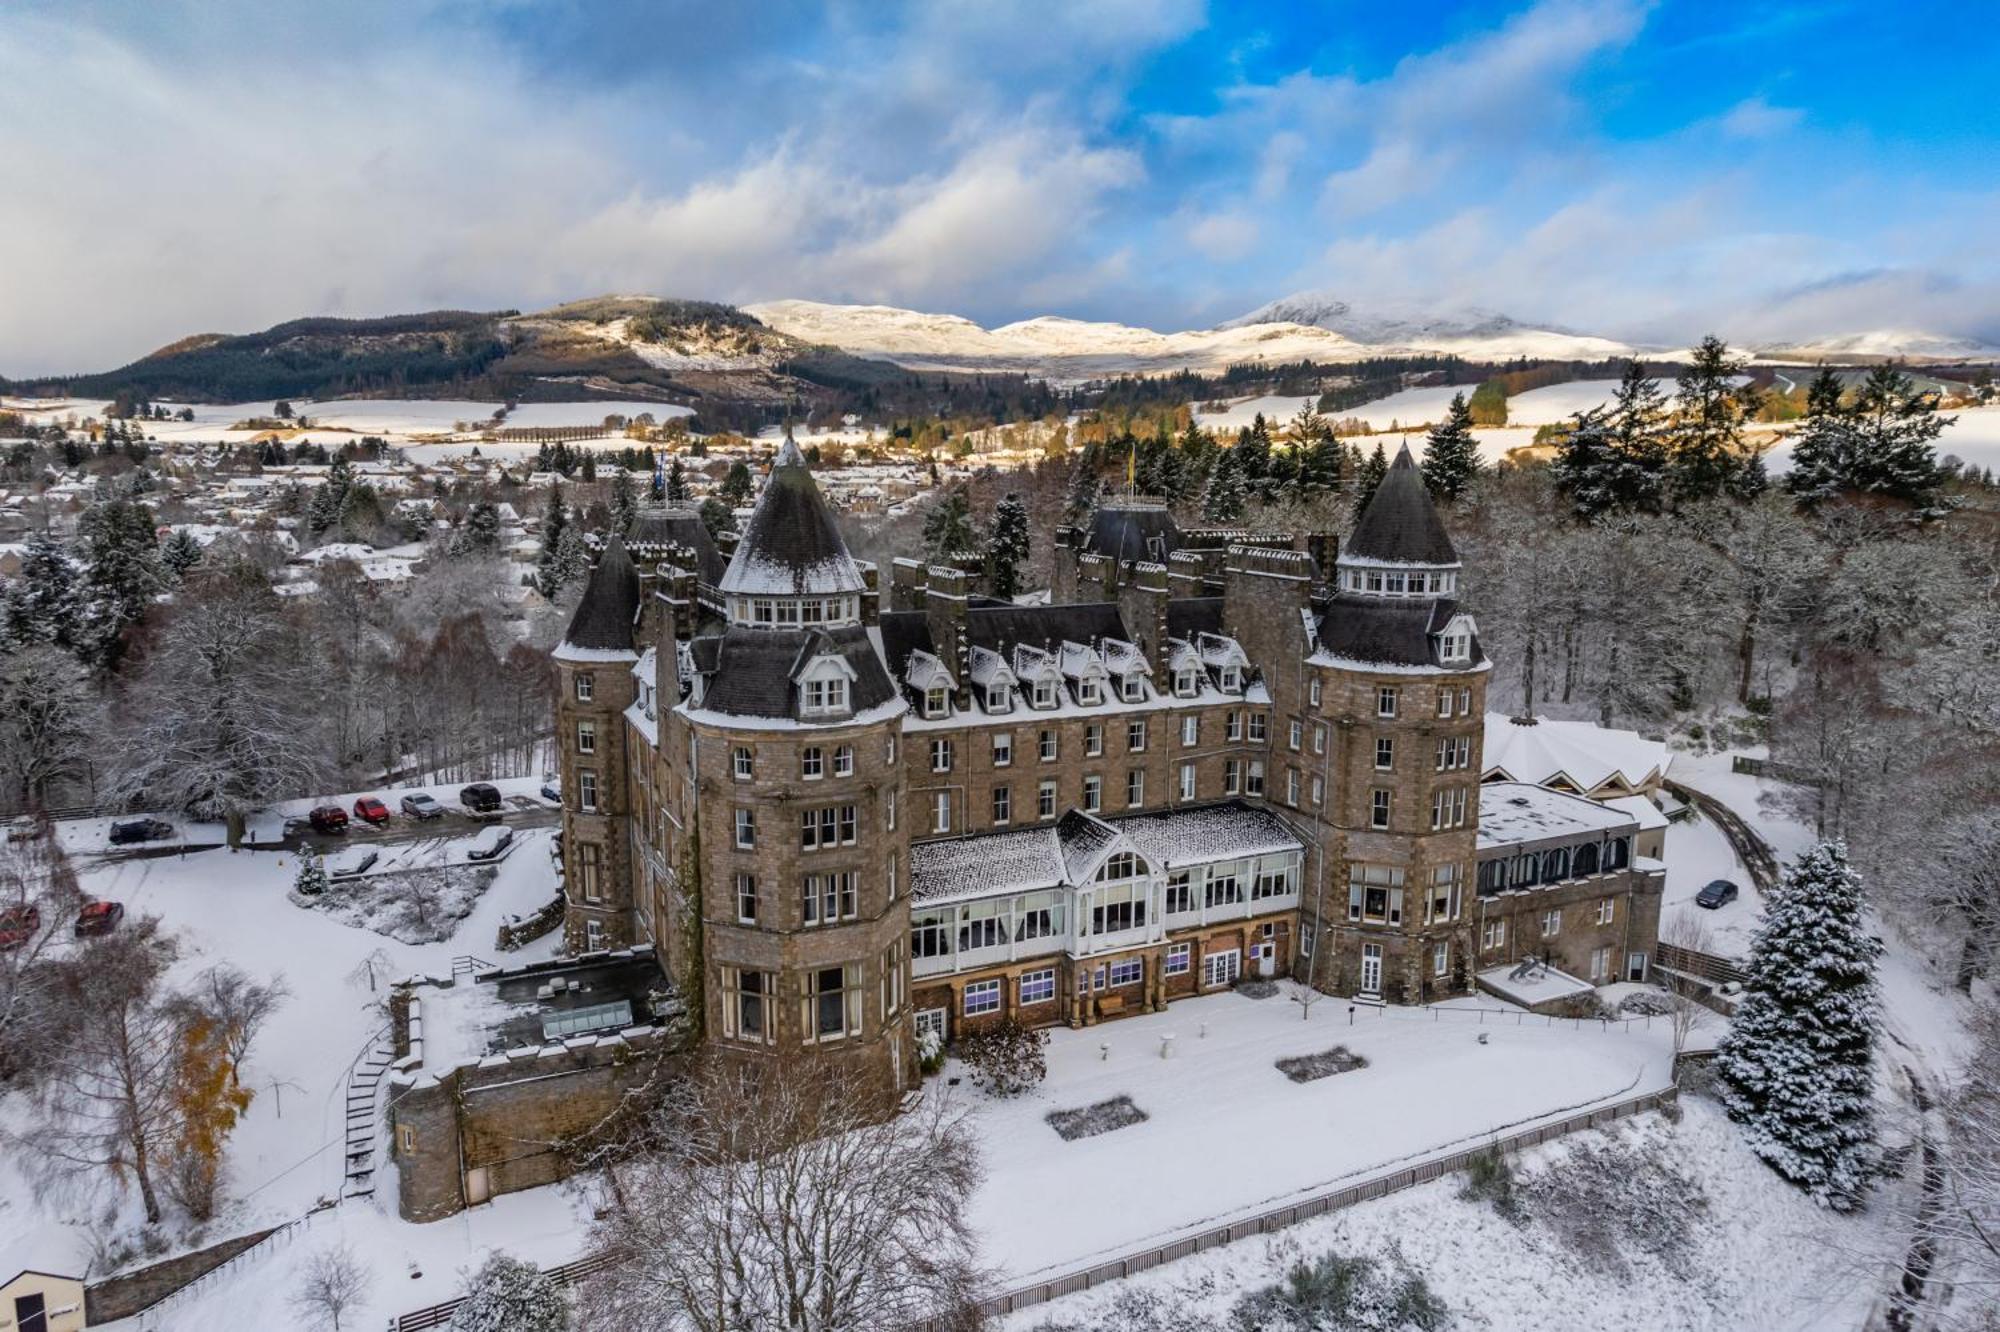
18 925
370 810
98 918
328 819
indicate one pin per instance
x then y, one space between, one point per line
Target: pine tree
736 485
1706 457
121 575
1451 454
572 558
482 528
42 602
1225 499
329 502
510 1295
1369 476
179 553
717 518
311 881
1884 443
1797 1064
1253 449
677 486
1007 548
1637 481
1083 490
948 534
548 575
1585 463
624 502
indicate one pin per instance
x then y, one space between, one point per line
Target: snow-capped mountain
1471 332
1046 346
1881 344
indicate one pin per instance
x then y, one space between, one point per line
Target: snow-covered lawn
1763 1257
1228 1134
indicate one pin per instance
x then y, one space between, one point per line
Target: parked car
421 806
328 819
370 810
480 798
551 794
352 864
489 844
98 918
1717 893
140 830
18 925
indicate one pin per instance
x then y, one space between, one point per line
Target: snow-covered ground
1764 1257
1229 1135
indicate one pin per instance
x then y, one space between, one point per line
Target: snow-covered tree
179 553
220 721
481 533
1226 494
676 484
311 879
45 723
1007 549
1585 464
1451 454
1798 1062
1882 443
624 502
333 1283
508 1294
948 533
329 502
1369 475
549 567
1706 454
121 575
42 603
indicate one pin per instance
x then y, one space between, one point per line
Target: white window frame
988 998
1180 959
1045 800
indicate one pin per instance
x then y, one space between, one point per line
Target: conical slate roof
604 618
1400 524
791 546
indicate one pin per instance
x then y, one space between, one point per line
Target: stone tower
1396 684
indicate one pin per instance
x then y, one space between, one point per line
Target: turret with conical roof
792 550
602 627
1399 547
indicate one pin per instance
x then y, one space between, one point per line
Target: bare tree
36 884
783 1198
334 1283
239 1006
1684 990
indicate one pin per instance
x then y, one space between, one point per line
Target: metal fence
438 1315
1708 966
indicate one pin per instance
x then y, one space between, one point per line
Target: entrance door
476 1187
1635 966
31 1313
1371 968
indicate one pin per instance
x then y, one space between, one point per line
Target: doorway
1371 968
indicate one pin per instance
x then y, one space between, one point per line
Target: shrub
1338 1291
510 1295
1007 1058
312 874
1603 1199
930 1051
1490 1178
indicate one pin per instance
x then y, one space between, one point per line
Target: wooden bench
1110 1005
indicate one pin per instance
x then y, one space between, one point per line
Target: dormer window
826 695
1456 646
937 701
1130 688
1089 693
1184 684
1045 693
1232 679
999 698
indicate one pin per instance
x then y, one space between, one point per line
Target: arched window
1492 875
1526 870
1586 860
1617 854
1555 865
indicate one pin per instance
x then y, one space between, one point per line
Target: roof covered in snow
755 672
791 545
1522 814
1543 750
1388 632
604 617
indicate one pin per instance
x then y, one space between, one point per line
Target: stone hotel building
843 822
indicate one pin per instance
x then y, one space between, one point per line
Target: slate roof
1173 839
753 672
604 618
1083 837
657 526
1395 633
992 863
1400 523
1130 533
791 545
999 628
1188 616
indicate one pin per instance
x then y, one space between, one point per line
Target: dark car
18 925
551 794
370 810
140 830
421 806
328 819
1718 892
480 798
98 918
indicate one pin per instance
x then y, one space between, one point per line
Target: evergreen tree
572 557
736 485
42 602
1706 458
1370 476
1798 1062
311 880
624 502
717 518
948 534
1225 498
1083 490
510 1295
1451 455
329 502
1007 548
1637 481
590 465
179 553
1585 463
121 575
548 570
1253 449
482 528
1884 443
677 486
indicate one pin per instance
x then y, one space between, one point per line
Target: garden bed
1313 1067
1091 1120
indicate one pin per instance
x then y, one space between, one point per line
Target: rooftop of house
1544 749
602 623
1521 814
791 545
541 1004
1400 525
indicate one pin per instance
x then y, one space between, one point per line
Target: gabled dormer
993 682
825 682
930 684
1083 669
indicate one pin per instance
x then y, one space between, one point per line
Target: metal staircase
364 1081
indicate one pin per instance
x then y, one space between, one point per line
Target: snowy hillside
1895 343
1470 332
1047 346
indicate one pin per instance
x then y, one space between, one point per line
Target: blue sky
1648 171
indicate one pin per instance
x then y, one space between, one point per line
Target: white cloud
1223 236
1755 118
